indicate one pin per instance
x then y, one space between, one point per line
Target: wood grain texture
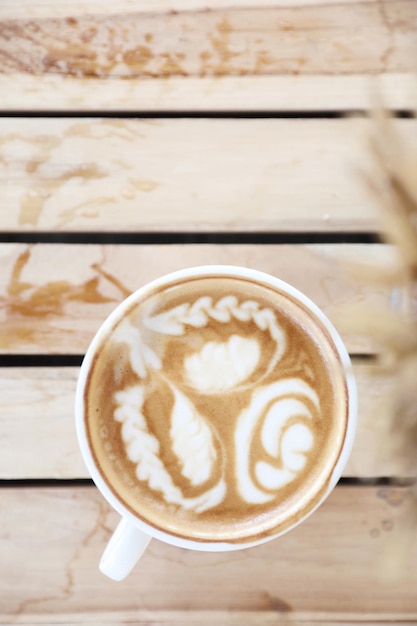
329 564
54 297
87 46
38 432
12 9
187 174
210 618
245 94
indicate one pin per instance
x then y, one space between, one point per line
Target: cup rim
124 306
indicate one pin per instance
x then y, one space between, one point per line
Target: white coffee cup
133 534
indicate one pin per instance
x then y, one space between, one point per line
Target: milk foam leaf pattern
220 366
198 314
192 440
282 410
142 449
141 355
169 322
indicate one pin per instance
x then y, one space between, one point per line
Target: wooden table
143 136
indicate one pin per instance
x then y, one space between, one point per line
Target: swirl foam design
217 409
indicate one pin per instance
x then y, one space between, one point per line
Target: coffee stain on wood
221 43
82 210
112 280
390 45
45 162
103 511
241 41
387 525
27 300
137 59
395 497
134 185
144 185
32 605
274 603
108 129
33 201
24 302
31 207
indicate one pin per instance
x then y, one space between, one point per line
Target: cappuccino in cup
216 408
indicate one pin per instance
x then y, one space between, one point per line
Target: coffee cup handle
126 546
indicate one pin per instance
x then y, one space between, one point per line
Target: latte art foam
217 409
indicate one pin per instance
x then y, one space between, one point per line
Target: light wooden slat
211 618
12 9
54 297
38 434
187 174
134 45
37 424
237 93
52 539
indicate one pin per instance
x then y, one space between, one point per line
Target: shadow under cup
216 408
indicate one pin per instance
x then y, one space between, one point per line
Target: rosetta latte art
272 433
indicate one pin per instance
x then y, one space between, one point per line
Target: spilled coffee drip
216 409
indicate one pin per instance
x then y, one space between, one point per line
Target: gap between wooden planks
71 57
52 539
184 175
38 428
54 297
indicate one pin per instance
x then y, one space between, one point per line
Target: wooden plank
37 424
10 9
222 94
56 59
38 435
54 297
52 539
210 618
187 174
